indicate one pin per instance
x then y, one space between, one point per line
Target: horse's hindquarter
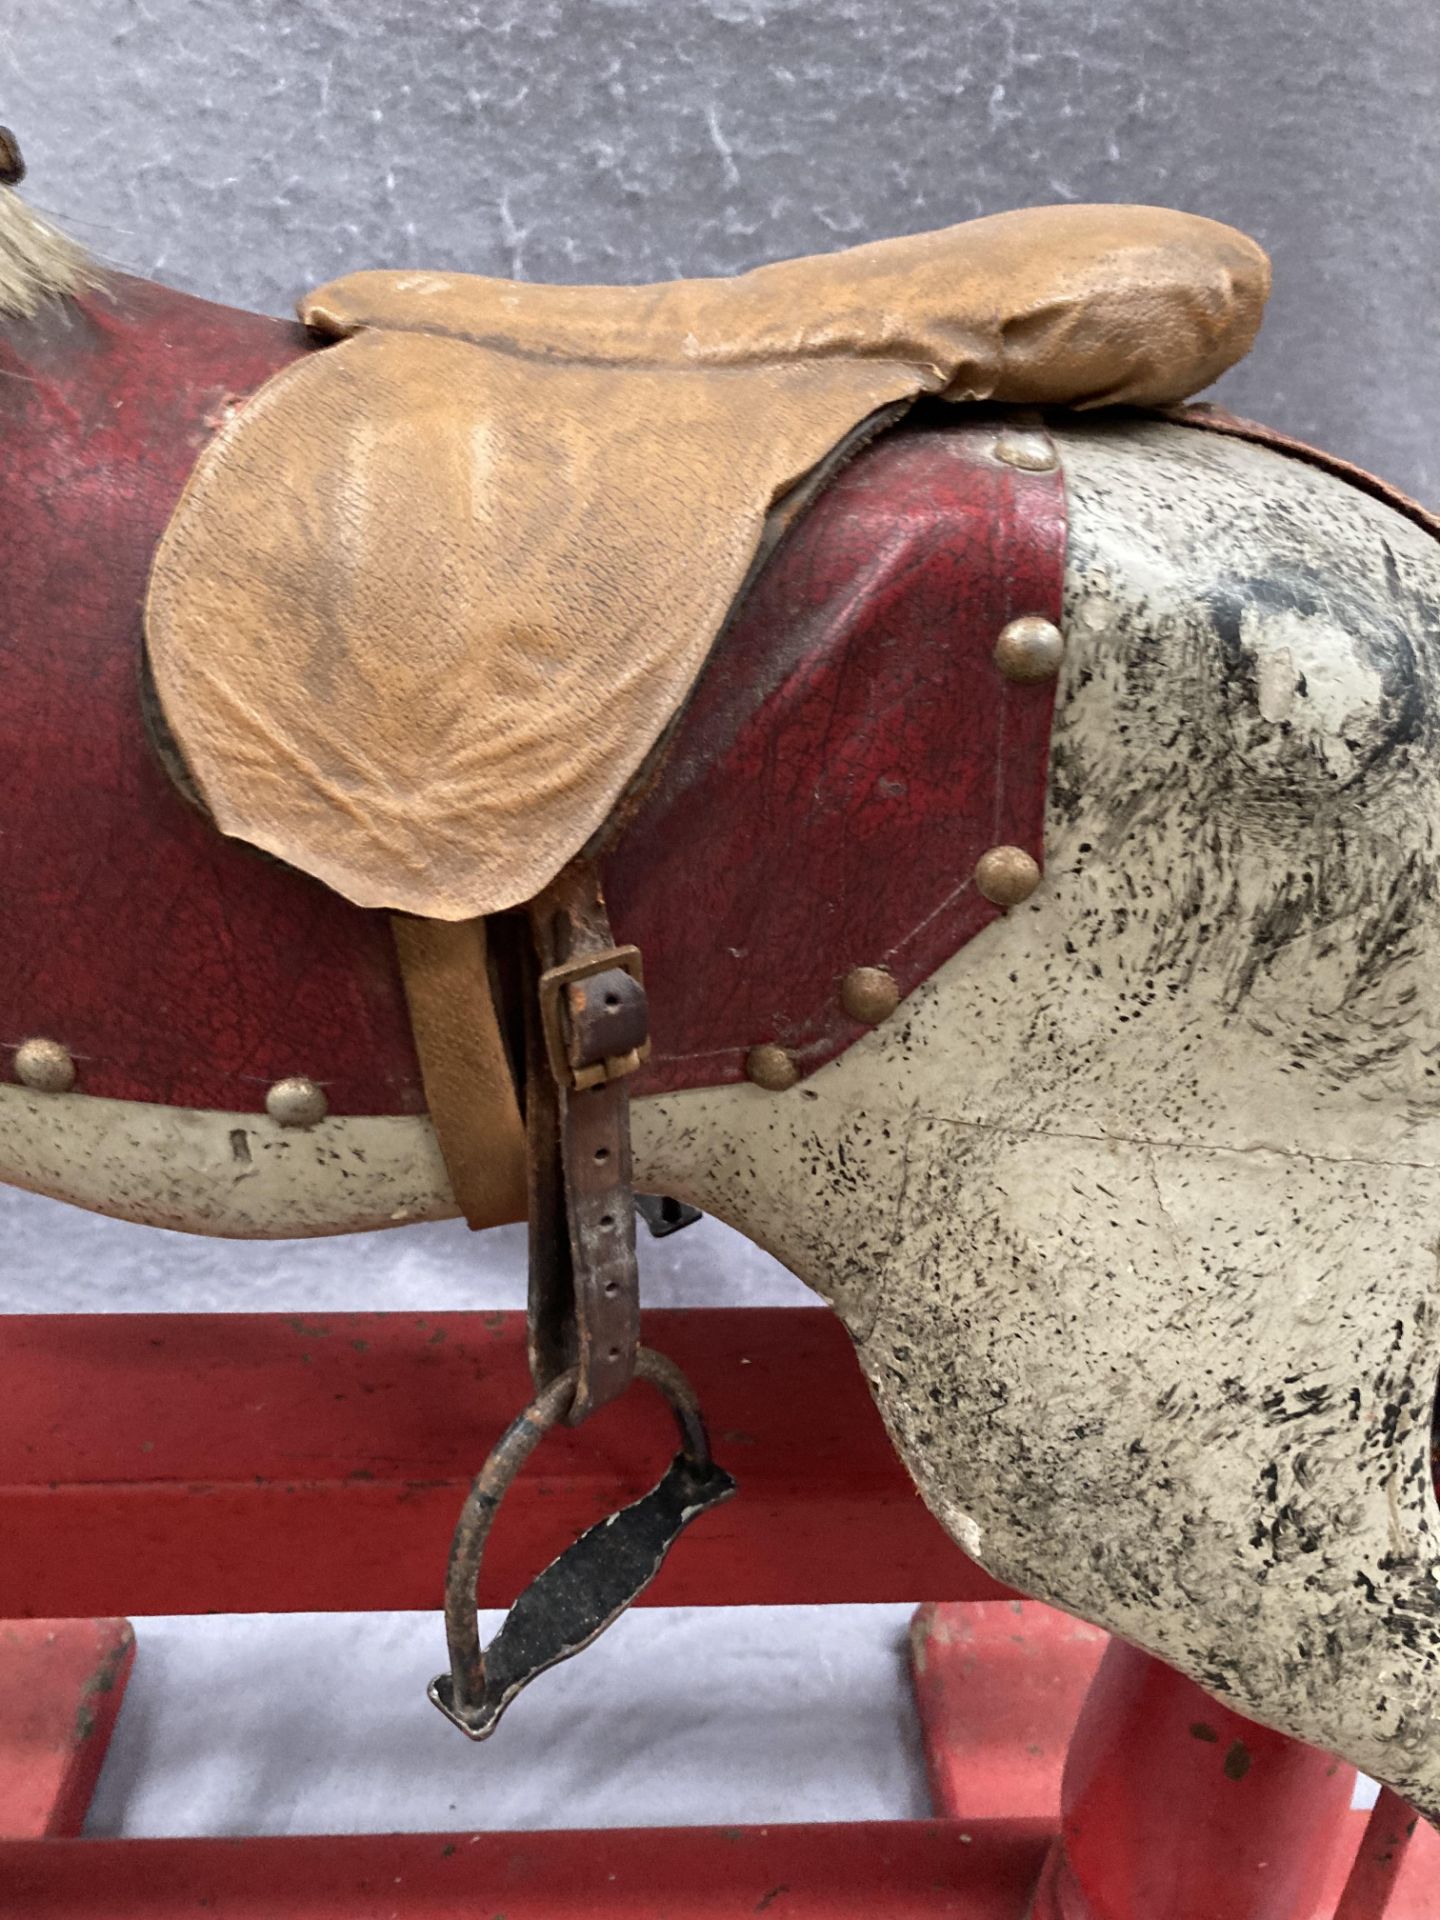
1134 1205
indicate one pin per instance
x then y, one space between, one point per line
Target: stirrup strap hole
611 1288
602 1153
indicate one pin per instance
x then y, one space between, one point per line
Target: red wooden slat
61 1683
1396 1869
905 1870
997 1690
269 1463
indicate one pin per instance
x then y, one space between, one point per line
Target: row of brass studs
1027 651
45 1066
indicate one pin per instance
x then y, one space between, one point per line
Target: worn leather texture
469 1089
584 1294
431 597
849 753
176 966
187 969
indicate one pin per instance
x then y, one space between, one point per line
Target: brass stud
1030 648
296 1102
1026 448
1006 875
44 1065
869 995
772 1068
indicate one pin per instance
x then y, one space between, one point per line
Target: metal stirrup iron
587 1031
592 1583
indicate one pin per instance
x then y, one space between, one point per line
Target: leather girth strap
567 1165
469 1087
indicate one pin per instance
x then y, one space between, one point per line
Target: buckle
577 1074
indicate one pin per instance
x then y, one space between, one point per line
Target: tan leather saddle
433 596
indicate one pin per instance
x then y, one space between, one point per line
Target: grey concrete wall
249 148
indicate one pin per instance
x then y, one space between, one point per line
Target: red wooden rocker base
157 1464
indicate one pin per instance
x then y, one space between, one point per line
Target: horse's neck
1131 1207
1236 808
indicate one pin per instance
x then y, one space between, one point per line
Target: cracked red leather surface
175 965
847 755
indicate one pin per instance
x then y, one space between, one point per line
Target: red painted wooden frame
239 1462
269 1463
61 1684
901 1870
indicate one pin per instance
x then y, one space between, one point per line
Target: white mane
37 261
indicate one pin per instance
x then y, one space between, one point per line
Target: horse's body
1131 1207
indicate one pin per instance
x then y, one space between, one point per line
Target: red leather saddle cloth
845 757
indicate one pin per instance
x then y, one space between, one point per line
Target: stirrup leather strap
587 1031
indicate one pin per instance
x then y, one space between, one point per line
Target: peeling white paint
1138 1234
239 1175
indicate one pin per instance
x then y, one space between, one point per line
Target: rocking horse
847 747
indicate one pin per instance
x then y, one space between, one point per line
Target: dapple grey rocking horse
1016 799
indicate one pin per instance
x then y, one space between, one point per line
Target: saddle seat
431 597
